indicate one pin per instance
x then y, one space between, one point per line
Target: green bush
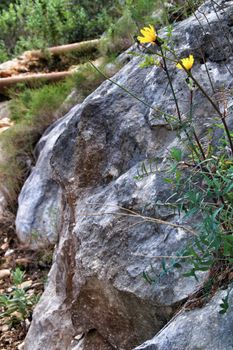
18 304
33 110
99 14
39 106
37 24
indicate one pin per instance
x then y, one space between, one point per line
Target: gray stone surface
4 115
38 216
3 202
200 329
4 110
96 292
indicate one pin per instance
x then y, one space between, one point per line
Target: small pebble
79 336
20 346
25 285
4 273
9 252
27 323
5 328
22 261
17 314
4 246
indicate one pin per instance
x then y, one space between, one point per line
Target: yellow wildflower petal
186 63
148 35
152 27
144 32
142 40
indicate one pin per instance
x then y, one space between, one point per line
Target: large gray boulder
96 297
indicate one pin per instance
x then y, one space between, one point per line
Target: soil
35 264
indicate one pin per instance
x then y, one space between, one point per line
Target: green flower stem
157 54
209 173
170 83
194 132
215 107
228 134
209 99
176 101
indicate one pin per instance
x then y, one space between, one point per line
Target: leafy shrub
32 24
120 34
33 110
99 14
86 80
5 3
37 24
39 105
18 304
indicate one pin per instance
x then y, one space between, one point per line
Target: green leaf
164 265
177 265
176 154
191 273
17 276
148 62
168 180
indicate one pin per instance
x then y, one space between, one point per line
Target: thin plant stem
215 107
170 83
228 134
203 14
134 214
163 256
199 144
175 99
194 132
190 75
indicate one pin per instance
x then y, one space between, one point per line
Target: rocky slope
83 194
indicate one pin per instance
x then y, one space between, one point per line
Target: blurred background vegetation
37 24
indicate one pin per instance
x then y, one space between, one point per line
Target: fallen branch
57 50
27 78
30 60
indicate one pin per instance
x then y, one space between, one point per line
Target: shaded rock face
37 220
197 329
96 297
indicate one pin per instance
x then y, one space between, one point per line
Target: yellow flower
187 63
149 35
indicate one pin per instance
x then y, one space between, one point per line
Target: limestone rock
38 216
202 329
94 165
